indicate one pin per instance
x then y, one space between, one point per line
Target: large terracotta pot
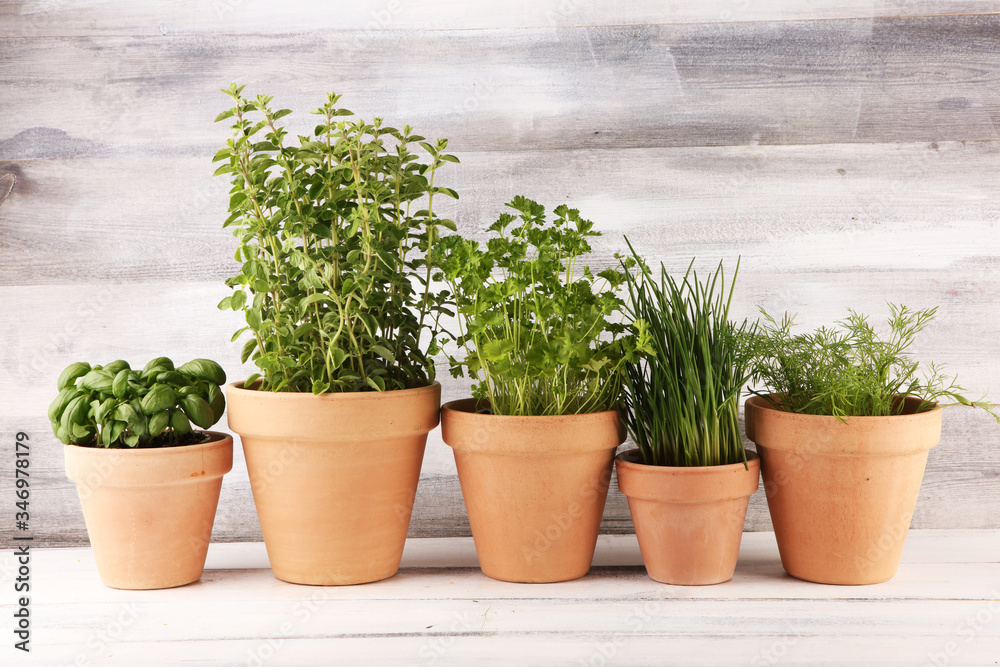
149 512
334 477
534 488
841 495
688 520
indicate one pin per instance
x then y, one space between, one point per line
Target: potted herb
843 429
148 483
342 322
689 482
544 347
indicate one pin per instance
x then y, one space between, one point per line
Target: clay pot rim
761 402
215 438
160 466
627 456
286 417
464 430
687 485
826 436
304 396
464 406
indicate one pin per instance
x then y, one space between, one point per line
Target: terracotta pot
534 488
841 495
334 477
149 512
688 520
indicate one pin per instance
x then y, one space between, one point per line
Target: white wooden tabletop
942 608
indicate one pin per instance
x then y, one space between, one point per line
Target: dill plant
540 335
850 370
682 399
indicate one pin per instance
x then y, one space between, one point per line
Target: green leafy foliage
538 335
850 370
115 406
682 398
334 233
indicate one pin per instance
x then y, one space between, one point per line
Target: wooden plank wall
847 150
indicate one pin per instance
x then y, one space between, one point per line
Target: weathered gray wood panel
798 82
849 160
65 18
786 208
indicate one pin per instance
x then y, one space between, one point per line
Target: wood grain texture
783 208
800 82
440 611
847 152
66 18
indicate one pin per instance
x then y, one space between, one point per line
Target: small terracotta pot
534 488
149 512
334 477
841 495
688 520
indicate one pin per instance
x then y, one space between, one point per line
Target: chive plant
682 401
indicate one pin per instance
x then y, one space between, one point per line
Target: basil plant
116 406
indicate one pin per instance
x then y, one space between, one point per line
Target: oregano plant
540 334
334 232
